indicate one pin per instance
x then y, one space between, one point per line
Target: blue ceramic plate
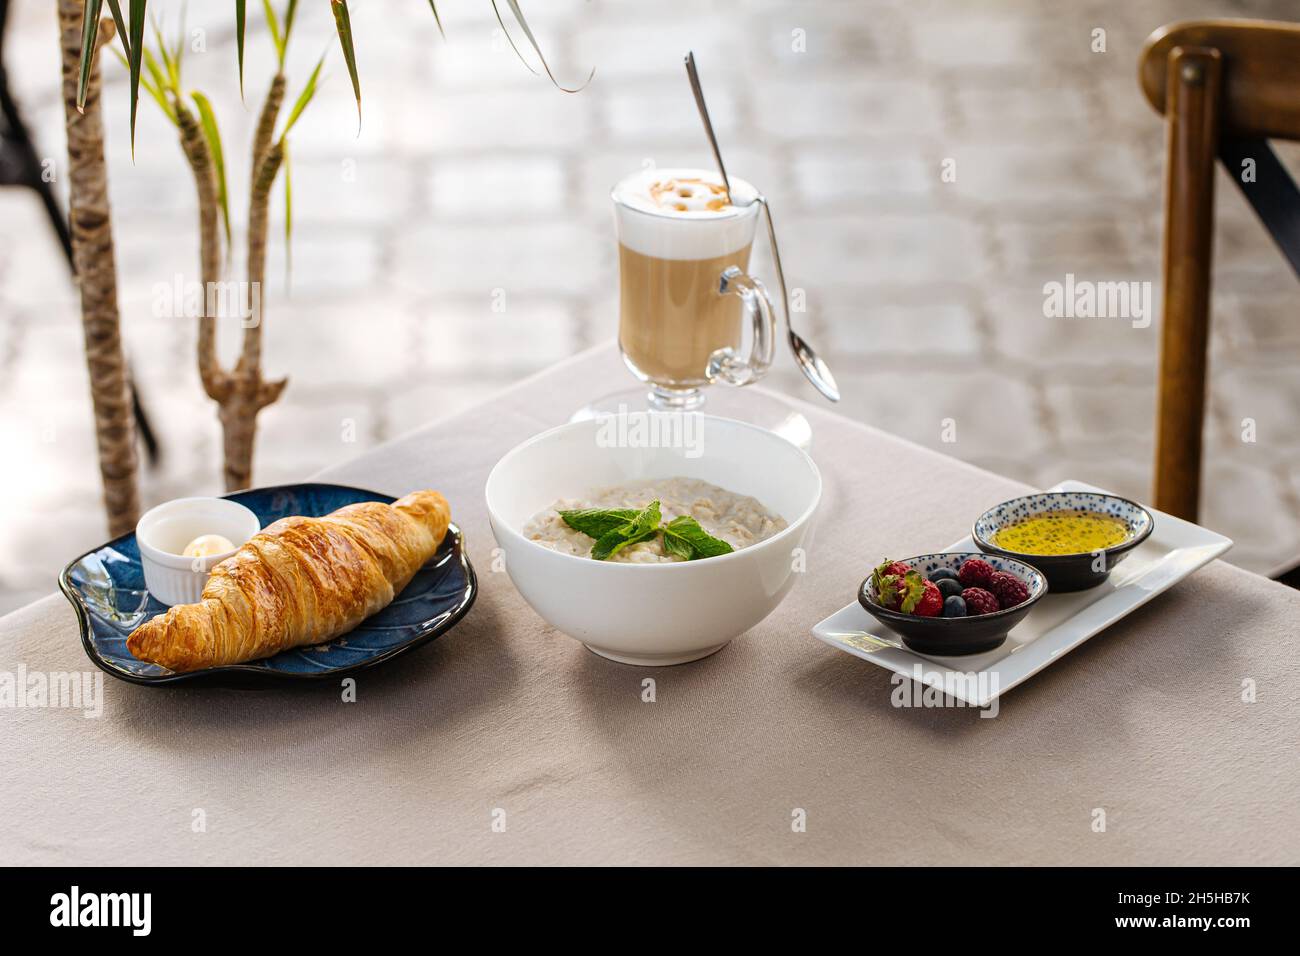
106 586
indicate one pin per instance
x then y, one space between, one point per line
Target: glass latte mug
686 301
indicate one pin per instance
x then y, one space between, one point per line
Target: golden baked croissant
300 581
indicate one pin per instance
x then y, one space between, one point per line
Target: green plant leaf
208 120
178 52
509 39
595 522
160 79
274 23
643 527
614 542
241 21
344 23
159 97
304 98
290 11
437 19
119 21
684 537
89 33
134 54
523 25
169 61
678 546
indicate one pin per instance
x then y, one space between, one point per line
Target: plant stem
93 255
250 359
266 123
249 394
195 145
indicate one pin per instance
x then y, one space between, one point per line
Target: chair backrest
1261 78
1224 87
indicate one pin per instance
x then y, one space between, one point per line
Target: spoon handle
776 260
694 77
813 368
698 90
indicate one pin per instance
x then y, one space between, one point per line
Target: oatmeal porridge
736 519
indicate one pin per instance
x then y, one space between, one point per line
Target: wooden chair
1225 87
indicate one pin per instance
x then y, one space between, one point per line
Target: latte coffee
683 292
671 316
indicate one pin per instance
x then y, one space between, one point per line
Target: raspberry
979 601
975 573
1008 589
931 602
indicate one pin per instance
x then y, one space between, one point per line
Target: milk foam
683 214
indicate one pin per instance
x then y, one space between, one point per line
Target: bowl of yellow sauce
1075 538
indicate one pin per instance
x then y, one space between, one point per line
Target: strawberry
894 590
894 567
975 573
931 602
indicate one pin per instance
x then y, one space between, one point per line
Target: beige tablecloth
505 721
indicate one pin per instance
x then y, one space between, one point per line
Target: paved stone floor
472 179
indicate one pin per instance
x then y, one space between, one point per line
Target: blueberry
939 574
949 587
954 607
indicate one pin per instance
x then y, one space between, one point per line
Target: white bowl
654 614
163 532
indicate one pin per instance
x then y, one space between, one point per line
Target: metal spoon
813 368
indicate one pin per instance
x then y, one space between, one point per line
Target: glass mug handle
727 365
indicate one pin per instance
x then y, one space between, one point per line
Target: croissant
300 581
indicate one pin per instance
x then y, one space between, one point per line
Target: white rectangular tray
1057 624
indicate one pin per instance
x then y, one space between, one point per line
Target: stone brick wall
473 182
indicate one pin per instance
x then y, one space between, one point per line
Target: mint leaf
617 528
597 522
643 526
676 544
684 537
648 518
611 544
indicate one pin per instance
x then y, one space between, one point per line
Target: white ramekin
164 531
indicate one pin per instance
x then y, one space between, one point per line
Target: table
505 721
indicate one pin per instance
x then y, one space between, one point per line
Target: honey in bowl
1063 532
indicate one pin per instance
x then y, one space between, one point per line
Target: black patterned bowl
954 636
106 587
1067 572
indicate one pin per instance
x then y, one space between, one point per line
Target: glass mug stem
662 399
